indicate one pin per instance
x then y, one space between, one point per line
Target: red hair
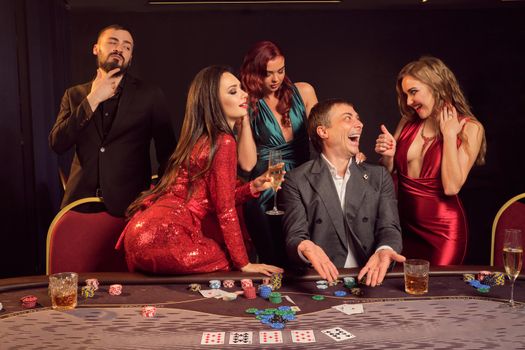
253 73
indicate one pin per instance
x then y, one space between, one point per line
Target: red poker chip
250 292
149 311
29 301
115 289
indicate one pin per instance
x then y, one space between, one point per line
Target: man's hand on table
319 260
376 267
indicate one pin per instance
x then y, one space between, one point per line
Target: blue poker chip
277 325
475 283
340 293
289 317
284 308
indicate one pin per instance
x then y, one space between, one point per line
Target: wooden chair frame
495 223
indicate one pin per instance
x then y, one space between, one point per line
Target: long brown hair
432 72
204 118
253 72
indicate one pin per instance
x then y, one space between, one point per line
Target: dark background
353 51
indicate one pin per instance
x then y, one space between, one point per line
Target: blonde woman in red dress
433 149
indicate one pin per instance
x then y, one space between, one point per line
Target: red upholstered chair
84 242
511 215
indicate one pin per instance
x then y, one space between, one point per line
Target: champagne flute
512 258
276 174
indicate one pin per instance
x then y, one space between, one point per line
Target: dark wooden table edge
28 282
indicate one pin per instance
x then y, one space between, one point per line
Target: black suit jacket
313 211
120 163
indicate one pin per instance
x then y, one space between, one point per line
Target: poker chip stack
357 292
349 282
249 292
28 302
499 278
115 289
467 277
276 280
480 287
194 287
228 283
275 298
245 282
265 291
322 284
333 283
275 318
92 282
88 291
483 274
149 311
215 284
484 280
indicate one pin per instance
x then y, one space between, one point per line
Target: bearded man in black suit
110 123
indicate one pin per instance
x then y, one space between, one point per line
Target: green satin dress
265 230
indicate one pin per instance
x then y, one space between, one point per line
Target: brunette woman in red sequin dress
436 143
165 233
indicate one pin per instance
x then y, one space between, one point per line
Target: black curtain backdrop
354 55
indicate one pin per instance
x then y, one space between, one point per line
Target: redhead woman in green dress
278 110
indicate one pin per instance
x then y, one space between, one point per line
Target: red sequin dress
168 236
434 225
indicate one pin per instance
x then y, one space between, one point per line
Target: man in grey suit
339 213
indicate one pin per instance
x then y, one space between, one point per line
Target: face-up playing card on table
350 309
338 334
241 337
208 293
303 336
270 337
210 338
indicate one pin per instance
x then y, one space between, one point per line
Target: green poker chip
318 297
251 310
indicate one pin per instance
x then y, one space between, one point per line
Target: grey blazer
313 211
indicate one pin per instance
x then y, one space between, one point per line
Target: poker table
453 315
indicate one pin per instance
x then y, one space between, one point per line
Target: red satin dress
434 225
168 237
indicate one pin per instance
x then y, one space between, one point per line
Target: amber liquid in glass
416 284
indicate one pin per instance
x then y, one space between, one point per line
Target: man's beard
110 63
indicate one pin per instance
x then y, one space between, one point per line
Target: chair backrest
84 242
510 215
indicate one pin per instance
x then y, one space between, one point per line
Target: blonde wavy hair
432 72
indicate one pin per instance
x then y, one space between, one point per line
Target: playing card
350 309
241 337
208 293
338 334
270 337
289 299
306 336
210 338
